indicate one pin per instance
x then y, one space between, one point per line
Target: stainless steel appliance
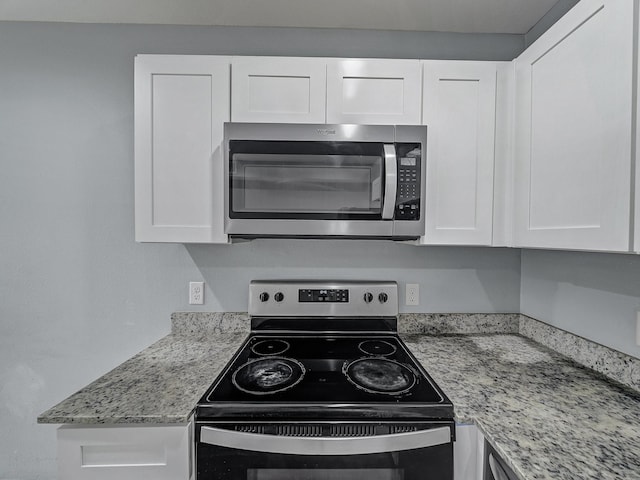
495 468
301 180
323 388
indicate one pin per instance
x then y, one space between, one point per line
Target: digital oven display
323 296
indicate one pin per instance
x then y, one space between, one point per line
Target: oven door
423 452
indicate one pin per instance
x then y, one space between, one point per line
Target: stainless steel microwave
324 181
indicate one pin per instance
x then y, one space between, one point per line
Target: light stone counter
161 384
547 416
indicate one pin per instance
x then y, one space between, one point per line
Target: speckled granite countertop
547 416
161 384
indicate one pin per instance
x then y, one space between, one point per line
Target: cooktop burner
380 375
270 347
377 347
265 376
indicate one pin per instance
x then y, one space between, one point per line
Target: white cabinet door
636 234
181 103
125 452
374 91
503 158
278 89
459 109
573 131
468 453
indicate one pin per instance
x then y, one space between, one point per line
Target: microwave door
309 180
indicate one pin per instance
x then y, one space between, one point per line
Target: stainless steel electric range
323 388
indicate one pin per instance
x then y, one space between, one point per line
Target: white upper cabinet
503 157
371 91
636 234
459 109
278 89
573 131
181 103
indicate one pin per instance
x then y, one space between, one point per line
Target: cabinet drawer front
286 90
374 91
123 453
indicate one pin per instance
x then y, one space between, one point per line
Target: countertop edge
97 421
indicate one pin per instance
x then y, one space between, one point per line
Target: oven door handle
325 445
390 182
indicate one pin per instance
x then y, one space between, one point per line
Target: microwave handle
391 182
256 442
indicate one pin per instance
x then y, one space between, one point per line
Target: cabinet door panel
573 137
503 158
636 160
374 91
178 100
459 111
125 452
181 103
467 453
271 89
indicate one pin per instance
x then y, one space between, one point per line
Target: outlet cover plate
196 293
412 296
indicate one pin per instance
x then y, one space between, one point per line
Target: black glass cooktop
324 376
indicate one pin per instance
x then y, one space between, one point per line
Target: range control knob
278 297
368 297
264 296
383 297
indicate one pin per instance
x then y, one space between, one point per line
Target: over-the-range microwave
324 181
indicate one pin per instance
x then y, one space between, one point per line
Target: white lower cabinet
158 452
459 109
468 453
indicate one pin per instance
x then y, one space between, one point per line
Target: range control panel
313 298
323 295
409 182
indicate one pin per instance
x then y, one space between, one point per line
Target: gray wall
77 295
594 295
451 279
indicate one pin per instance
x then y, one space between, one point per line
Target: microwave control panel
408 196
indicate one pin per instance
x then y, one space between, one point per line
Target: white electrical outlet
196 293
412 294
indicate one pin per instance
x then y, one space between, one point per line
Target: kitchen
80 297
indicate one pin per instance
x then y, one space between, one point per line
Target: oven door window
306 180
222 463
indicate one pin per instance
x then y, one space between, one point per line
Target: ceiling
468 16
